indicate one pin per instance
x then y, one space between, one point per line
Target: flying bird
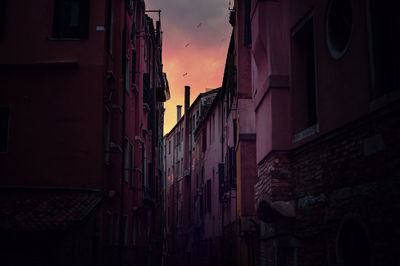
187 44
198 25
185 74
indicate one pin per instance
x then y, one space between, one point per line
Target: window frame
7 127
69 32
308 129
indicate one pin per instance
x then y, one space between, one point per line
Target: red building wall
77 118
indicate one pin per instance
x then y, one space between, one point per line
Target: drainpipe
121 215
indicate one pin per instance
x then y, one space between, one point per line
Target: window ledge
64 39
134 89
115 145
382 101
305 133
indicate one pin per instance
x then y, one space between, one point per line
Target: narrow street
193 133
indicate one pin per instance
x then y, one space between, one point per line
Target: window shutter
4 128
221 174
209 195
133 66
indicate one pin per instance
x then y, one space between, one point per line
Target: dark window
109 25
221 175
2 16
131 163
247 24
204 141
126 160
133 66
127 73
209 195
116 228
4 128
109 225
353 245
201 207
71 19
169 147
107 134
284 256
125 229
168 216
234 132
133 34
232 166
146 88
385 46
143 165
304 76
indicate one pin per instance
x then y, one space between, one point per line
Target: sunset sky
195 41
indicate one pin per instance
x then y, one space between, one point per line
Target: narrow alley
126 138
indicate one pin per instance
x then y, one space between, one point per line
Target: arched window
353 244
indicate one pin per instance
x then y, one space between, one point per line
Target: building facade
182 204
81 121
325 91
296 159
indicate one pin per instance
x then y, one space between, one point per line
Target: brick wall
351 172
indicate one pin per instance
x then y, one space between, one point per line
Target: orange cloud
204 67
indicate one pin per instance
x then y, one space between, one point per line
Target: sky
196 36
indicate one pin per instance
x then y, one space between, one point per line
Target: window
116 228
285 256
247 24
125 229
182 134
2 16
208 195
234 133
127 71
209 129
4 128
133 32
107 128
110 18
304 76
131 154
71 19
204 140
134 228
339 24
353 244
385 25
126 162
144 165
169 147
133 66
108 220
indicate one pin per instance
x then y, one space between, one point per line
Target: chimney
178 113
187 98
